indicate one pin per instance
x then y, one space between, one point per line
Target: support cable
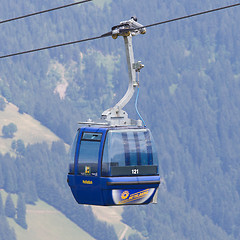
44 11
110 33
193 15
49 47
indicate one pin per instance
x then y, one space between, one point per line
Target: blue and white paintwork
94 189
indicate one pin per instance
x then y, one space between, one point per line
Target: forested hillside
189 98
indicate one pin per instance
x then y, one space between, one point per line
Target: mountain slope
45 222
28 129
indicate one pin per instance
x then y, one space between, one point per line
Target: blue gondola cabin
114 166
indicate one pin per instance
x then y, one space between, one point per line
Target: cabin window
89 153
72 154
129 152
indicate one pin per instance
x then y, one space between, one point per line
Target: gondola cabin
114 166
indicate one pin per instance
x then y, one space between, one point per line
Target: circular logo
125 194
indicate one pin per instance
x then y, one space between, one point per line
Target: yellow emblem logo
133 197
125 194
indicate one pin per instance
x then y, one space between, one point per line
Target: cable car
114 166
115 161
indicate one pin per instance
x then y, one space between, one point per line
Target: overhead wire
49 47
193 15
44 11
109 33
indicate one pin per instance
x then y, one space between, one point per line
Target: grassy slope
112 215
45 222
29 129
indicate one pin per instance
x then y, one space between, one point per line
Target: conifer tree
21 183
31 193
6 233
21 212
20 148
10 210
1 177
2 104
1 206
9 174
9 183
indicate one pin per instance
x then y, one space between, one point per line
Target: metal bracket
138 66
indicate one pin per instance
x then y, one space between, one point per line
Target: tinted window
92 136
89 153
72 154
129 152
73 148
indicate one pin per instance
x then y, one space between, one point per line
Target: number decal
135 171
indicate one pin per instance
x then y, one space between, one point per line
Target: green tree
10 180
21 212
20 149
7 93
9 130
10 210
59 147
9 173
22 107
31 192
14 145
1 177
135 236
2 104
1 206
18 146
5 231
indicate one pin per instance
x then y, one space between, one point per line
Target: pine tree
6 233
1 206
2 104
21 212
10 210
31 193
21 183
9 174
20 149
1 177
135 236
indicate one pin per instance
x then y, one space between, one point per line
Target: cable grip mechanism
127 28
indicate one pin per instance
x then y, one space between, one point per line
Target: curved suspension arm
116 115
131 73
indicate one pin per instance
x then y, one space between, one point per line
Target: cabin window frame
151 157
86 165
